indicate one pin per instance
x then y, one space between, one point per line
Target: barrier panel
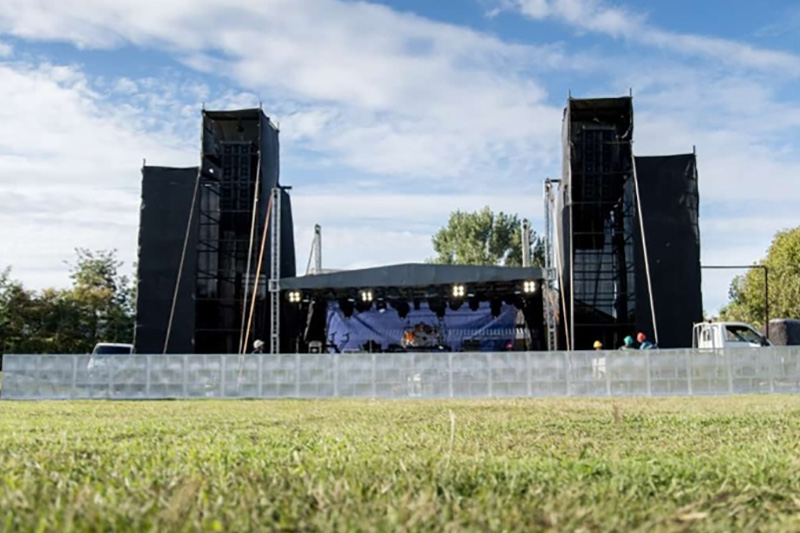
403 375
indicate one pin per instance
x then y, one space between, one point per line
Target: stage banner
384 330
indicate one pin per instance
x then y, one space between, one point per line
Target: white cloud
597 16
411 97
69 162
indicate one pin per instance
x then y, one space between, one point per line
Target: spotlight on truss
294 297
459 291
529 287
366 295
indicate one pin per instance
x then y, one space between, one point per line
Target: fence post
148 367
185 374
260 375
297 375
110 366
729 364
74 384
771 370
647 369
689 373
336 375
450 373
374 376
38 373
528 374
567 380
489 374
607 372
222 371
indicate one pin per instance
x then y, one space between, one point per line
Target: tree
98 307
483 238
103 298
747 291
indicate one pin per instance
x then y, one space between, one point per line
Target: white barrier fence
403 375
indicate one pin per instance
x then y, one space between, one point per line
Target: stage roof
412 275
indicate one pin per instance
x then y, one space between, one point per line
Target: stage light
529 287
459 291
455 304
366 296
294 297
402 308
496 306
437 306
346 305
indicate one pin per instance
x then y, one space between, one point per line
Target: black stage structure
399 287
166 201
218 211
670 206
610 286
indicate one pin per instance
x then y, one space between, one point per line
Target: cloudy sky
392 114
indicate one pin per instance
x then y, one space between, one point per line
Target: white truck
718 335
105 348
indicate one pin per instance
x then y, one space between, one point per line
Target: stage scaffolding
235 183
599 222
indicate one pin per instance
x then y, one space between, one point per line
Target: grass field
705 464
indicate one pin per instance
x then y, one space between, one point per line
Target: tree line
98 306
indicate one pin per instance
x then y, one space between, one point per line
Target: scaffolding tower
238 169
550 289
599 222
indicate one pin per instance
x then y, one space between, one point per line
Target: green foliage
673 464
483 238
98 307
747 291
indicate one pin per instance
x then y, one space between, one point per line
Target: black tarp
669 206
784 332
166 202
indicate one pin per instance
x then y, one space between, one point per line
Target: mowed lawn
704 464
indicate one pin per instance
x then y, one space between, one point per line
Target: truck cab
718 335
106 348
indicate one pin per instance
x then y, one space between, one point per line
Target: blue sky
392 114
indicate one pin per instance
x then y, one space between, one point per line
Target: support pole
766 301
275 274
765 268
258 278
183 258
318 249
550 306
525 239
644 248
253 223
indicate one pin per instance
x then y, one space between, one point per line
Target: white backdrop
403 375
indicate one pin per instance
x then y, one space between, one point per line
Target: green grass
701 464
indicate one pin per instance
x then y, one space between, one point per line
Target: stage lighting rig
294 297
459 291
529 287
